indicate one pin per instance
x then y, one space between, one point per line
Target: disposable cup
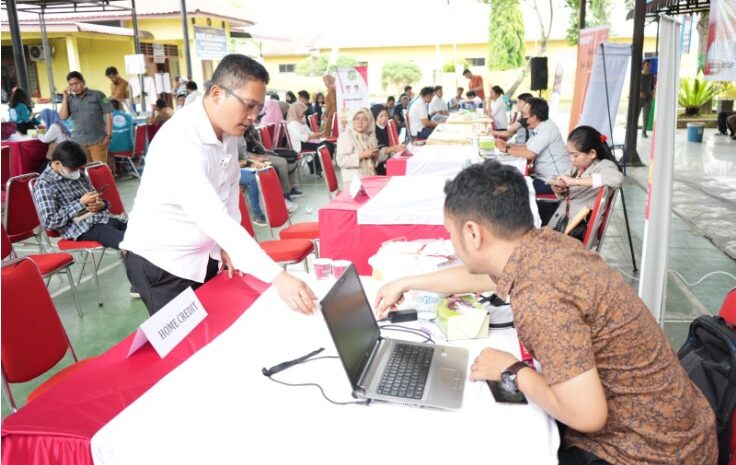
323 268
339 267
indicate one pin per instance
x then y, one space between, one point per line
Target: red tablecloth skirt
396 166
26 156
341 237
58 426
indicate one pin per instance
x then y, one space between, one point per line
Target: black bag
578 232
709 357
289 155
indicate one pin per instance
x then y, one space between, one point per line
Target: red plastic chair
99 175
265 136
151 130
304 156
334 130
5 165
20 218
33 338
599 217
329 170
279 135
408 125
139 145
276 213
49 264
86 249
313 120
285 251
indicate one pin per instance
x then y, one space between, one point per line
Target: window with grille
287 68
477 61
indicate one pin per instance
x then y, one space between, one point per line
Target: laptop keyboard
407 370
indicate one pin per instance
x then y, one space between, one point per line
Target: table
341 237
442 160
59 425
230 413
26 156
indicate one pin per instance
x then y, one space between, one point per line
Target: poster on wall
351 86
720 55
588 43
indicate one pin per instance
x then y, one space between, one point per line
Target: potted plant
694 93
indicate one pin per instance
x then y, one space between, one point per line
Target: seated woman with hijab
358 153
56 131
380 113
593 166
300 135
272 115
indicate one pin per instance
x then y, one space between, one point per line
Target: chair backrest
33 338
5 159
152 129
599 217
7 246
393 134
408 126
265 136
49 232
273 198
278 135
20 211
245 220
313 122
139 141
728 309
335 132
284 133
328 168
99 175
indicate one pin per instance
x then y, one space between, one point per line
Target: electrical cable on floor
677 273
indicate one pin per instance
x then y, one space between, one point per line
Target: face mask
74 175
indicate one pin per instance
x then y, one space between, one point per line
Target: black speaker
539 73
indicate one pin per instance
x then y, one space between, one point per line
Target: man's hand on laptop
387 297
295 293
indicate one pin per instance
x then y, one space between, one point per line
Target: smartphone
504 397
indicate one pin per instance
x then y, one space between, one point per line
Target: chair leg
74 291
316 248
306 266
9 394
97 278
135 170
85 254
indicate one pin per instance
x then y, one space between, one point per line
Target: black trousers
646 105
575 455
109 234
722 117
541 187
156 286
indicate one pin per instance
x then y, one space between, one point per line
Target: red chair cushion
307 230
51 262
292 250
68 244
57 378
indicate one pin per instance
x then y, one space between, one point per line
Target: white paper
135 64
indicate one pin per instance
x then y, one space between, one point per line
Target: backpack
709 357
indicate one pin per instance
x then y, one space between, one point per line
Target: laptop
389 370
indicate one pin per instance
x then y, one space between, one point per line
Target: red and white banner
351 86
720 56
587 45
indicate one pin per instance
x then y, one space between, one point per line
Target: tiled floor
705 182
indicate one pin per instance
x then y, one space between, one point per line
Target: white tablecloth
407 200
440 160
217 408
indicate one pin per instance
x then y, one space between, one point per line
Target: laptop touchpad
449 377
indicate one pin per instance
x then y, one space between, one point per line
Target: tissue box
462 317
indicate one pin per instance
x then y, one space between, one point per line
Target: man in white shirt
192 92
545 148
419 122
438 107
186 217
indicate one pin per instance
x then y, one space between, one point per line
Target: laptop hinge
369 364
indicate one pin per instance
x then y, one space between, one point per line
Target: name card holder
166 328
356 187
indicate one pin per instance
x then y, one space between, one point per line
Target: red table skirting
57 427
396 166
26 156
341 237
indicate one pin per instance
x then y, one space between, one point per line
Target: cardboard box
462 317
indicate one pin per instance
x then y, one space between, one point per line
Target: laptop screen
350 320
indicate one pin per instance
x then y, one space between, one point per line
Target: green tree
449 67
597 13
317 66
400 74
506 47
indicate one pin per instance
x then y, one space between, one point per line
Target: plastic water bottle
309 209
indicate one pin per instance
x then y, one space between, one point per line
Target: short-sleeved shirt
122 132
417 112
552 158
476 82
437 105
573 313
119 90
19 114
87 112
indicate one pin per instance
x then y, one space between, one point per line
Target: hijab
273 112
381 132
51 117
296 112
365 140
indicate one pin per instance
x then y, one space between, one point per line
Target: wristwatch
508 377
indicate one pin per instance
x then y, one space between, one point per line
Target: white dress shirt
417 112
498 113
186 207
437 105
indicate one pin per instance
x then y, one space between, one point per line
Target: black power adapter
400 316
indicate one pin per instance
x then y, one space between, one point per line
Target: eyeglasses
251 106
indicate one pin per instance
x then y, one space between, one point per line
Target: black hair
460 89
161 103
525 97
274 96
497 89
70 154
436 88
391 98
235 70
290 97
538 107
303 94
470 93
19 96
586 138
466 71
191 85
318 95
74 74
426 91
403 95
407 89
111 71
115 103
491 193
